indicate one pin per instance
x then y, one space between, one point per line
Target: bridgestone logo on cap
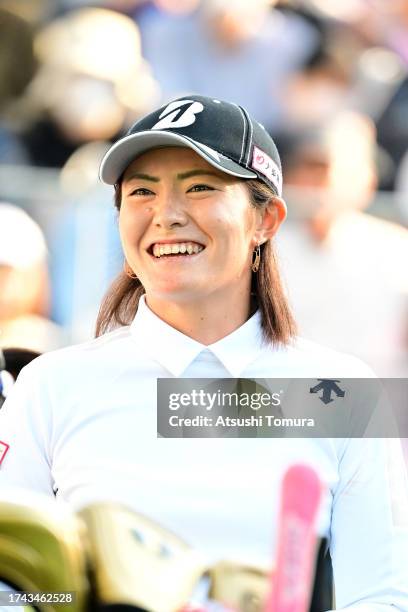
175 116
266 166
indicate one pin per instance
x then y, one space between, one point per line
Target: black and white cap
221 132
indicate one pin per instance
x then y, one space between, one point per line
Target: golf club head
239 587
41 548
136 564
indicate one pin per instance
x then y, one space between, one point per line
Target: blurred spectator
233 49
32 12
17 64
346 269
363 67
401 185
86 254
385 22
118 5
393 128
17 67
24 290
330 82
177 6
390 24
91 83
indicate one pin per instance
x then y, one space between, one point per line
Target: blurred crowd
327 78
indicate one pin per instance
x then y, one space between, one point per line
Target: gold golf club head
239 587
41 548
136 563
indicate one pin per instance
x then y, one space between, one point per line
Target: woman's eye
200 187
141 191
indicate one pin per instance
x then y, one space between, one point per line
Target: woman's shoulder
86 354
303 357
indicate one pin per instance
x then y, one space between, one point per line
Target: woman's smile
171 248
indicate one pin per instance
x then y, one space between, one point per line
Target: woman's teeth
185 248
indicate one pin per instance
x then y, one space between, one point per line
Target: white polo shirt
83 420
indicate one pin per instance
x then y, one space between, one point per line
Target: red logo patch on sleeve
3 450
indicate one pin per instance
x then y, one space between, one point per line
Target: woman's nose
169 211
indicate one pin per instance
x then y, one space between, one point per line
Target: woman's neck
205 321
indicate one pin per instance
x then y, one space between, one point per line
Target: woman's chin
174 292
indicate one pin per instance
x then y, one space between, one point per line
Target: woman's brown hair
120 304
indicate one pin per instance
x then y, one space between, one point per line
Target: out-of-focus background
327 78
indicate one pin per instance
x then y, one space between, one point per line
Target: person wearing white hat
24 287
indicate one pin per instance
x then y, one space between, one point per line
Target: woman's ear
270 219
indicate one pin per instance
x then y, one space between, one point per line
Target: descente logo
177 115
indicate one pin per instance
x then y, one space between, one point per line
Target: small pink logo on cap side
3 450
266 166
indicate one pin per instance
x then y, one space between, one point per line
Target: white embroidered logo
264 164
171 118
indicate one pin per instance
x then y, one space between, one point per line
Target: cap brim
123 152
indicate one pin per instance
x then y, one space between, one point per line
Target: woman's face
188 231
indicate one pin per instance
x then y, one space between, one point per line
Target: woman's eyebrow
141 175
180 177
190 173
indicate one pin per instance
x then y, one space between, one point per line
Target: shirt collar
175 351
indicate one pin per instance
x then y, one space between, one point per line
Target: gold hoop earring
256 258
128 271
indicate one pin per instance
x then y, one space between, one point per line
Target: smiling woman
184 206
198 189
